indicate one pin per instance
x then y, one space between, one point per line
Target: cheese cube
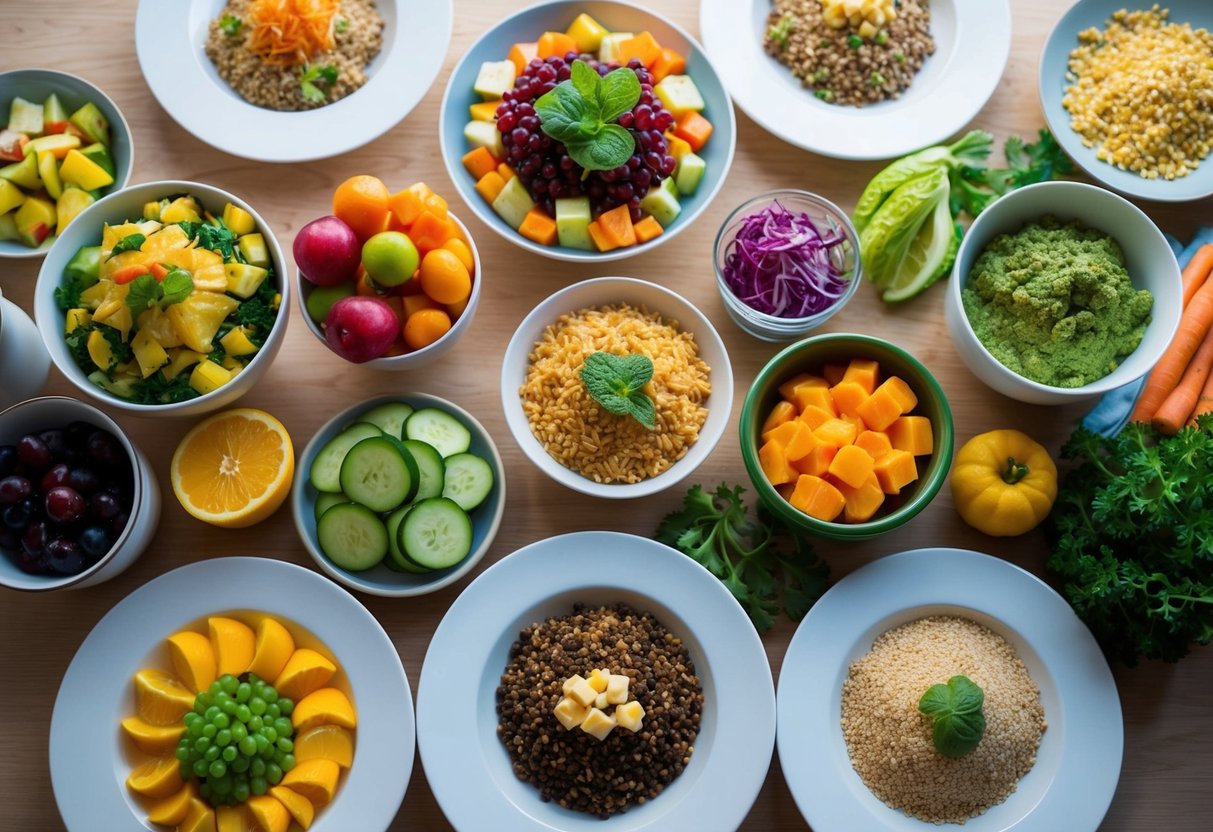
598 679
630 716
597 724
569 713
579 690
617 689
600 701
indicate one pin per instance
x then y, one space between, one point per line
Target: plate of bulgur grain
290 80
685 745
859 79
1127 89
569 434
857 751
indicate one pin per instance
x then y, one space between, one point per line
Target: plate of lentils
606 677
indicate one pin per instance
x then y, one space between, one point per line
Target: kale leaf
259 312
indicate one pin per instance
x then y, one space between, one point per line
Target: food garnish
581 113
956 714
715 530
617 383
1003 483
231 25
286 32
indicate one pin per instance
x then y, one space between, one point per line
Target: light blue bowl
525 27
380 580
1053 63
74 92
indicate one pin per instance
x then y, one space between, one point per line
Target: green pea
257 705
229 683
273 773
201 767
286 705
272 711
287 762
285 745
212 753
223 737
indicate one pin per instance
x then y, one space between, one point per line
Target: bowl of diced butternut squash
846 436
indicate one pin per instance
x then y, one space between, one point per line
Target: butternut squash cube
848 397
901 393
817 461
815 417
880 409
782 412
852 466
773 459
817 498
913 434
807 396
895 470
863 502
875 442
802 442
864 372
836 432
788 388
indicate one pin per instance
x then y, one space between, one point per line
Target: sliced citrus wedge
234 469
199 817
232 819
300 807
158 777
928 258
305 672
193 659
272 649
315 779
160 698
233 642
327 706
326 742
156 740
173 809
269 815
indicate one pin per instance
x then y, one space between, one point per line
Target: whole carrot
1178 405
1197 271
1193 326
1204 404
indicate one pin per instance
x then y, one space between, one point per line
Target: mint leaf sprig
131 242
616 382
580 113
146 291
957 716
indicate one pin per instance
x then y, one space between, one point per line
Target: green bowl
810 355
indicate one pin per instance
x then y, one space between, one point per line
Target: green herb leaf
230 24
618 93
341 26
611 148
315 74
779 32
176 287
130 242
144 293
579 113
616 382
956 709
566 115
586 82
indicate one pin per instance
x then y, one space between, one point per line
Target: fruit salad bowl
531 190
186 311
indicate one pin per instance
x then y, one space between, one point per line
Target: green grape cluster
238 739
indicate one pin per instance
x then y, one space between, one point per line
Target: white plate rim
171 61
857 134
373 789
731 777
1078 796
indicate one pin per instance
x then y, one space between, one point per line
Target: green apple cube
662 202
92 123
25 117
689 172
679 95
608 50
573 222
494 79
513 203
23 173
485 134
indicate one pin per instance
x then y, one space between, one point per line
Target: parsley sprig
230 24
146 292
616 382
314 75
580 113
131 242
974 188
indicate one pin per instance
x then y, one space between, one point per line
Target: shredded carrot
287 32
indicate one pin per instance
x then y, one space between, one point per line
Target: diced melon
10 196
83 171
662 203
572 222
689 172
208 377
8 227
679 95
57 144
494 78
25 116
92 123
513 203
485 134
35 220
253 247
243 280
23 173
70 203
608 49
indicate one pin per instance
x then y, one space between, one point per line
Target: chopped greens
341 26
131 242
213 235
780 31
616 382
259 312
314 74
974 188
146 292
230 24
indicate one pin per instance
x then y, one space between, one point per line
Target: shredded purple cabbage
780 263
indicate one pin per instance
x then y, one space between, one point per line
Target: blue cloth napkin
1114 409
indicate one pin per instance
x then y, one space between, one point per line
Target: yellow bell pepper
1003 483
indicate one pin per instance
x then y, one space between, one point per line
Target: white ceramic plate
972 42
468 767
1078 762
169 42
88 762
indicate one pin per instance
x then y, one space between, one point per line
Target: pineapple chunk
237 342
197 318
617 689
169 238
580 691
569 713
99 350
211 278
243 280
151 210
679 95
630 716
117 316
238 220
208 377
181 359
598 679
597 724
148 353
76 318
158 325
181 209
93 296
252 246
111 234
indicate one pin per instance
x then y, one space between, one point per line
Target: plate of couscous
1127 89
947 686
270 79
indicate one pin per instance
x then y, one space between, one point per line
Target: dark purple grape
626 120
18 515
664 120
8 460
84 480
64 504
103 506
56 442
34 539
64 556
668 163
31 564
55 476
33 452
106 451
14 489
118 524
95 541
10 539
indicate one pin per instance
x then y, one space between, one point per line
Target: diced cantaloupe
773 459
813 395
522 54
895 470
863 371
555 44
668 62
643 47
538 226
490 185
817 461
616 225
880 409
901 391
848 396
601 241
787 390
484 110
913 434
836 432
875 442
852 465
479 161
647 229
693 129
862 502
815 417
782 412
817 498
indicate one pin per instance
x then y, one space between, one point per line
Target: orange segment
233 642
306 671
193 659
327 706
157 740
300 807
269 815
232 819
159 698
158 777
174 808
315 779
362 203
199 818
234 469
326 742
273 648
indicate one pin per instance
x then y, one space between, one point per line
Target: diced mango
478 161
880 409
179 360
598 724
242 279
895 470
875 442
774 462
788 389
815 416
647 229
207 377
817 461
237 342
864 372
817 498
586 32
852 466
238 220
801 443
836 432
630 716
901 392
484 110
555 44
676 146
913 434
80 170
521 54
814 395
782 412
490 185
77 318
181 209
643 47
668 62
538 226
197 318
863 502
99 350
848 396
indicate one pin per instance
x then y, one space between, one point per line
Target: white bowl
86 231
74 92
1148 257
417 358
601 292
24 363
56 412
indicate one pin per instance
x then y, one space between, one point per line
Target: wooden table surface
1168 725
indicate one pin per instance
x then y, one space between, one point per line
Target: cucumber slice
352 536
395 558
429 463
389 417
440 429
436 533
379 473
326 500
325 473
469 479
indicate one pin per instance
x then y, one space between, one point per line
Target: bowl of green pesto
1062 291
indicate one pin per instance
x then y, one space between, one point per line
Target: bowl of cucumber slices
399 495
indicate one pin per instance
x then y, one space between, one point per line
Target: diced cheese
630 716
598 679
580 691
617 689
597 724
569 713
600 701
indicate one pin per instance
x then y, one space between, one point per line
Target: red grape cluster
547 170
65 497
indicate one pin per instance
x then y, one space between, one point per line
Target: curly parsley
314 75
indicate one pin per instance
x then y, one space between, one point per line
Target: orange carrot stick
1177 407
1204 404
1193 326
1197 271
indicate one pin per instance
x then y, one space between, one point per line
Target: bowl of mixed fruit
166 297
587 131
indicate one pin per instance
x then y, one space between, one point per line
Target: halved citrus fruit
326 742
234 469
158 777
156 740
233 642
315 779
193 659
159 698
305 672
327 706
300 807
272 649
